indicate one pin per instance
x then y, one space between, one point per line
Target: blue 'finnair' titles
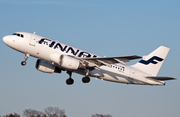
151 60
57 45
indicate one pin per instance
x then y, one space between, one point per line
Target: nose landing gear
25 58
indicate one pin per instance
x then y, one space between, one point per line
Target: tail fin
152 63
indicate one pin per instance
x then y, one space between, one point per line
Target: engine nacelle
67 62
46 67
70 63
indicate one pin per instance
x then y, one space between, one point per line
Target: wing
92 62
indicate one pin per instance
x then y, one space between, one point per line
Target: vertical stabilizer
152 63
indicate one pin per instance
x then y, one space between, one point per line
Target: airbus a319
54 57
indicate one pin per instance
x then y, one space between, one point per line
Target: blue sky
102 27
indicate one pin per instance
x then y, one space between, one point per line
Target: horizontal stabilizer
160 78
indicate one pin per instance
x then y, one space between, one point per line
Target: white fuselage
41 48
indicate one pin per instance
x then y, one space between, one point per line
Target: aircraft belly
114 75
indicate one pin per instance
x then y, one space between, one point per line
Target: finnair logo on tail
151 60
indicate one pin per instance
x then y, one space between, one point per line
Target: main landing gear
25 58
70 81
86 79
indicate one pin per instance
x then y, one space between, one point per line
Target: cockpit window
14 33
19 35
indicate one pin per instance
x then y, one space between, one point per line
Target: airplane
54 57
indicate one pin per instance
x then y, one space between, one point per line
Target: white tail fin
152 63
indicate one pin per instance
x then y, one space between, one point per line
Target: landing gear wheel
23 63
86 79
25 58
69 81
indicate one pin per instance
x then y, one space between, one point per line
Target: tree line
48 112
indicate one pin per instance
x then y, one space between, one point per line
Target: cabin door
32 40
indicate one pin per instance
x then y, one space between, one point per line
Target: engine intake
46 67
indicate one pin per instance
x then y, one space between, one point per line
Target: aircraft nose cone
5 40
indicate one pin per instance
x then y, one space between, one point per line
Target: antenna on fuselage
34 33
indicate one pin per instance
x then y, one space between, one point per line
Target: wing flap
160 78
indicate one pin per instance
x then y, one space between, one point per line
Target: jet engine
46 67
67 62
70 63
